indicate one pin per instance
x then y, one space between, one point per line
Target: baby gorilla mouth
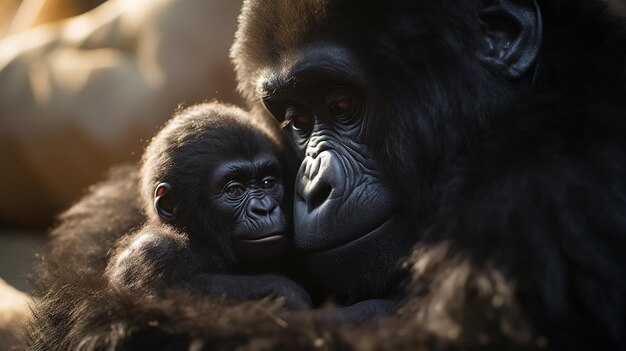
262 246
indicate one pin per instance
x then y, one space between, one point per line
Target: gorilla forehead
308 67
272 32
211 128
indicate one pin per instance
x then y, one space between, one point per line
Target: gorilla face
250 193
342 195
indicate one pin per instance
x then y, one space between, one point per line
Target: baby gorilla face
251 193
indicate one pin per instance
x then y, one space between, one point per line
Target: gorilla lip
264 239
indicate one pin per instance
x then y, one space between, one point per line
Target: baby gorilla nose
265 221
262 238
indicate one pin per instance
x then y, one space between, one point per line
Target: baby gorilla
212 183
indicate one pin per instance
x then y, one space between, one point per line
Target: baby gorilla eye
268 183
234 190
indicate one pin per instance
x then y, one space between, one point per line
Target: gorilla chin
341 233
344 272
313 225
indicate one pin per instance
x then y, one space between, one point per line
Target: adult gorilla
492 133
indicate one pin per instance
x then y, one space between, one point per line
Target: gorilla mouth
356 240
266 238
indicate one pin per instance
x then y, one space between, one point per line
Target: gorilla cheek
345 222
338 200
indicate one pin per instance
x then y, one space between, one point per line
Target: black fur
515 188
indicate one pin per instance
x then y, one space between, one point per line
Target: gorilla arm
157 258
364 311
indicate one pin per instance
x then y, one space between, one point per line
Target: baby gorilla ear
163 202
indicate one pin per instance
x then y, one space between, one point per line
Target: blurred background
84 84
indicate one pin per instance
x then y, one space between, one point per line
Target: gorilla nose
318 179
261 207
317 195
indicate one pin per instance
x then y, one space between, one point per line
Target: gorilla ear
512 32
163 202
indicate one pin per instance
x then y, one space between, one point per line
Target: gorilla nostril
318 196
261 207
260 211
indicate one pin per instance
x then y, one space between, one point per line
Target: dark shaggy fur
518 192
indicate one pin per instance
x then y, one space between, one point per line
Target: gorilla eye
340 103
235 190
268 183
300 122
